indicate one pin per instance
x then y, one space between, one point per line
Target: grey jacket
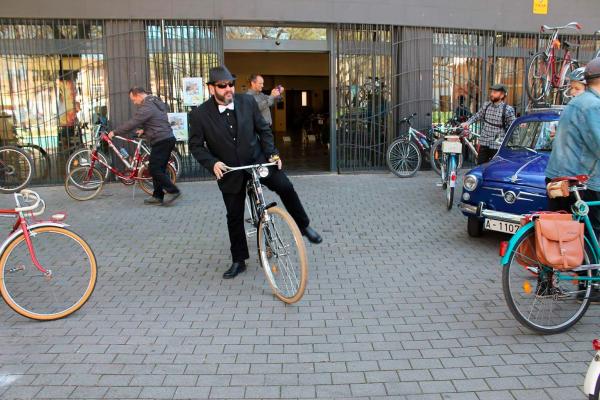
264 103
151 116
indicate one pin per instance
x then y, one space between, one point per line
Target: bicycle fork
46 272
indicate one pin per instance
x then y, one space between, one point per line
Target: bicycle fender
513 241
18 232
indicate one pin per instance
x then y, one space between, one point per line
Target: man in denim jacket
576 148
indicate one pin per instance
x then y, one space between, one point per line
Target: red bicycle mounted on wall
546 72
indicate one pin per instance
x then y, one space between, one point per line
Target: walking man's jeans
159 159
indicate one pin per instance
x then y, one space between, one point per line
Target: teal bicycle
540 297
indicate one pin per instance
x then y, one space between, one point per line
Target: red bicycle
46 271
546 72
85 182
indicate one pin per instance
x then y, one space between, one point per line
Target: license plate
500 226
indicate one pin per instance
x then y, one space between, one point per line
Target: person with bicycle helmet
497 116
577 82
576 148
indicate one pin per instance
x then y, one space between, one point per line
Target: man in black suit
236 134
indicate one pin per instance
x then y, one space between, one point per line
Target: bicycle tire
16 169
79 159
521 264
41 162
85 179
175 161
145 179
28 289
544 81
271 242
449 186
403 158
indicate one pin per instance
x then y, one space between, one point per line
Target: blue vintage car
497 193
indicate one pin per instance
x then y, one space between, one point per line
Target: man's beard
223 99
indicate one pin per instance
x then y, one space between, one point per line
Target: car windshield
533 135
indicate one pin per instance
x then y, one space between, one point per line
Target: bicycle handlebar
27 195
231 169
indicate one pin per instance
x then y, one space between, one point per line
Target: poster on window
179 125
193 91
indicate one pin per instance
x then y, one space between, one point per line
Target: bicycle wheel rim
449 187
145 179
403 158
436 156
83 183
40 160
83 157
282 255
72 262
528 292
16 169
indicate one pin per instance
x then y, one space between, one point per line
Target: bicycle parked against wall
83 156
85 182
281 249
47 272
546 72
405 154
542 298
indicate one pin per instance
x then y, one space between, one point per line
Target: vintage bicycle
47 271
541 298
83 156
451 153
85 182
469 140
546 72
405 154
281 250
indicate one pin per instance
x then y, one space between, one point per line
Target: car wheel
474 227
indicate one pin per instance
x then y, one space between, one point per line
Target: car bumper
481 212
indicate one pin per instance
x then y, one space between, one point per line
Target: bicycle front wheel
16 169
64 290
538 77
282 254
451 181
84 183
83 158
403 158
533 295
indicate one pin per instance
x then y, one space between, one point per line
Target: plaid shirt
492 134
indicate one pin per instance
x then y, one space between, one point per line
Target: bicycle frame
590 239
553 44
133 166
21 225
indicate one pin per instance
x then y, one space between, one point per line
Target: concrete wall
503 15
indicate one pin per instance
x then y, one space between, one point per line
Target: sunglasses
224 85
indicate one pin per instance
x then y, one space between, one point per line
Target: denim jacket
576 148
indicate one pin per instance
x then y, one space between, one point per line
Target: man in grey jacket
264 102
151 120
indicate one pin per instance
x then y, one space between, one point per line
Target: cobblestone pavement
401 303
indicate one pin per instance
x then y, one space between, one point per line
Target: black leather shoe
153 201
234 270
312 235
170 198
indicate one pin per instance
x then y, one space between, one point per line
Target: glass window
275 33
533 136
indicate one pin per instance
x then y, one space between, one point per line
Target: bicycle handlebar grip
27 194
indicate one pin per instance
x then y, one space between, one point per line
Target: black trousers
159 159
485 154
278 182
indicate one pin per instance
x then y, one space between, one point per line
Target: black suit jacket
254 143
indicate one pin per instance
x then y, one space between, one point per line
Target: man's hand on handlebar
464 125
111 134
277 160
219 169
139 132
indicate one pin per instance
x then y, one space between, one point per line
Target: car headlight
470 182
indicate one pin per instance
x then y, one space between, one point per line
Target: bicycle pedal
250 232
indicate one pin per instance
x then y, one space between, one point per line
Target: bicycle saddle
578 179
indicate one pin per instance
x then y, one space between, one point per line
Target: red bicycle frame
553 45
133 167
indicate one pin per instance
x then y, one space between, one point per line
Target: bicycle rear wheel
84 183
534 298
145 179
403 158
41 162
73 273
16 169
282 254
